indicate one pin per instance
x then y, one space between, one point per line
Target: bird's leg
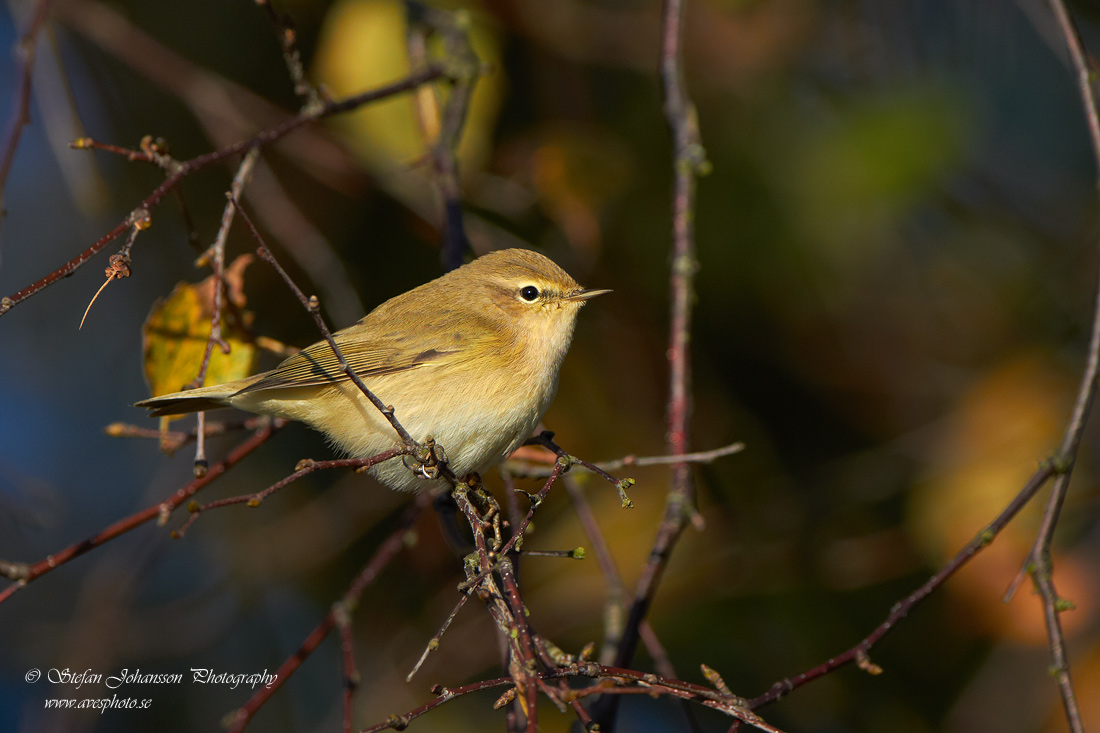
429 462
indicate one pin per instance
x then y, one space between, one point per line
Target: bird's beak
584 294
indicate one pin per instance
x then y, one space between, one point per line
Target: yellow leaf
363 46
177 330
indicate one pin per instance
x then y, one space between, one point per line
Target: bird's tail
193 400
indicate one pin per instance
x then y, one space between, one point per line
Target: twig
20 115
288 41
526 662
381 558
186 168
433 643
505 607
146 153
342 616
304 468
647 683
464 68
546 439
313 306
858 653
688 162
118 265
1039 559
173 440
228 111
706 456
442 695
240 180
625 681
24 574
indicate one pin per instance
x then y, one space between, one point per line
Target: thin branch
688 162
24 574
1039 559
313 306
706 456
20 115
465 68
342 617
611 681
442 695
385 553
858 653
288 41
186 168
173 440
240 180
433 643
304 468
546 440
118 265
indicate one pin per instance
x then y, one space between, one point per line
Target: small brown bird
470 359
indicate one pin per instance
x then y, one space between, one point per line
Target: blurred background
897 249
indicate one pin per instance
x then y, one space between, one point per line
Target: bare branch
385 553
313 305
24 574
186 168
20 115
688 162
858 653
305 467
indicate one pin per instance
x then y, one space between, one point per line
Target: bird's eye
529 293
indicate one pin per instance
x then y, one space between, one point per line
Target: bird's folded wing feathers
317 364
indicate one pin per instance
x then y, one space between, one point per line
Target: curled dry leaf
177 330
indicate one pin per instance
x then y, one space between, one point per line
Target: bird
469 360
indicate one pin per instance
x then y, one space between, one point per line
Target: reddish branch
858 653
24 574
188 167
688 162
1059 468
20 116
313 305
1039 559
341 609
305 467
443 146
240 180
613 681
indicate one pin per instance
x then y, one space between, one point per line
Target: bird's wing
317 364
